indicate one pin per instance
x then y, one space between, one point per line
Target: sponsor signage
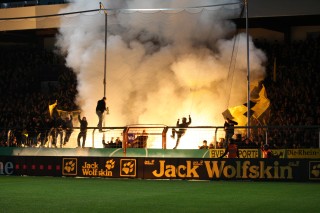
303 153
99 167
243 153
282 153
231 169
164 168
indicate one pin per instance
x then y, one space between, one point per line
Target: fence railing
159 137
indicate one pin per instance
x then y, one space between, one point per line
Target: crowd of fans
292 89
23 97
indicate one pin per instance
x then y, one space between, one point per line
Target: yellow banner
243 153
282 153
279 152
216 153
249 153
303 153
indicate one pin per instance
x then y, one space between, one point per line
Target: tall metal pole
105 52
105 57
248 70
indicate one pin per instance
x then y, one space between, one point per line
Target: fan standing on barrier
68 128
83 131
182 129
101 107
229 129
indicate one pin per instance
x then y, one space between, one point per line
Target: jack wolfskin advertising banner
164 168
227 169
197 169
100 167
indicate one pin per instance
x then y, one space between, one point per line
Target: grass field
56 194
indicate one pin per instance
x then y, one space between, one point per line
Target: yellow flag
259 108
262 103
51 107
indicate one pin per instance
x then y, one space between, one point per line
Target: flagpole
248 71
105 53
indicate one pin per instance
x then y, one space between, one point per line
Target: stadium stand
11 4
292 87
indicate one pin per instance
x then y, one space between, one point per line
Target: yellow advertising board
281 153
243 153
303 153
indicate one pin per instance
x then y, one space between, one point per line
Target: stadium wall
299 164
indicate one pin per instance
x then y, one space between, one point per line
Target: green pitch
56 194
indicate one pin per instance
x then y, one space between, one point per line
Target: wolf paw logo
69 166
128 167
110 164
316 170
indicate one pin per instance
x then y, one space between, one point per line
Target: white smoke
161 65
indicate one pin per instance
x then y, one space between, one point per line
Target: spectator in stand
45 133
118 143
33 131
211 146
220 144
267 153
247 144
18 74
204 145
232 150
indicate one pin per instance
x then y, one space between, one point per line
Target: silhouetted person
68 127
204 145
229 129
182 129
267 153
232 150
141 140
83 131
101 107
59 123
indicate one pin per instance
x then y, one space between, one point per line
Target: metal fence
159 137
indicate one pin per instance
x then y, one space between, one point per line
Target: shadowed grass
56 194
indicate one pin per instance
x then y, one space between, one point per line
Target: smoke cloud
161 65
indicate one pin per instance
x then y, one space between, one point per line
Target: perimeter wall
157 165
